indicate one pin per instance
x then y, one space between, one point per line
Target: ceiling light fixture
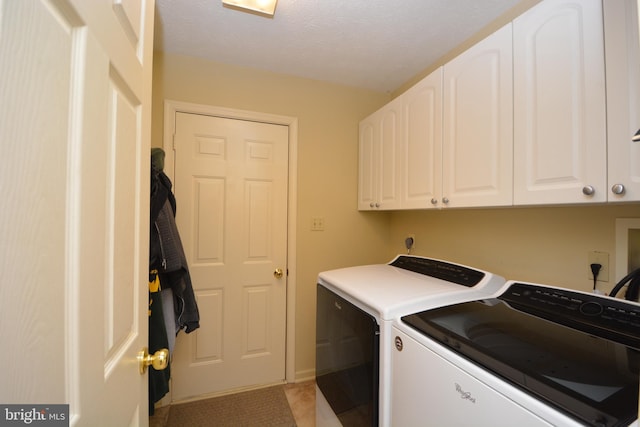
260 7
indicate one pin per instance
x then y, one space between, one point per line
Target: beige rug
263 407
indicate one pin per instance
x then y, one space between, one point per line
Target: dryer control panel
440 270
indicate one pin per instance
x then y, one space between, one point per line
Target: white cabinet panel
367 157
390 136
421 169
478 132
559 104
622 48
378 175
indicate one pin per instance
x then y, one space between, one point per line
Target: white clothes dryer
355 310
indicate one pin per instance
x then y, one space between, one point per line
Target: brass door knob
159 360
278 273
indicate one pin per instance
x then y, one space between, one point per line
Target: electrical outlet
317 224
601 258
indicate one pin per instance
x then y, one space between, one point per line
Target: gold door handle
159 360
278 273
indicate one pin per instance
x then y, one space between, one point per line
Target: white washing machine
531 355
355 310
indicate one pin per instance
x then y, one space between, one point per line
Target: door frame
171 107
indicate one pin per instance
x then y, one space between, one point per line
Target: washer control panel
617 318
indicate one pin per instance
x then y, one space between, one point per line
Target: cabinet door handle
588 190
434 201
618 189
445 200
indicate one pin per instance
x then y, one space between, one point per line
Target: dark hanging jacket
166 253
167 270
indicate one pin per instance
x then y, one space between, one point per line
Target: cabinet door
478 131
379 162
367 164
389 162
559 104
623 98
421 171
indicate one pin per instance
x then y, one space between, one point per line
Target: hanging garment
166 253
158 380
169 318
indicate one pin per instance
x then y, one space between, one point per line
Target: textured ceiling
373 44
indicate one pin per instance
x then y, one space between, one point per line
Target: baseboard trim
306 375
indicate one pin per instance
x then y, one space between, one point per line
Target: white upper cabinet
559 104
477 145
527 116
421 152
380 134
623 99
454 148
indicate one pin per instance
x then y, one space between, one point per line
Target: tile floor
302 401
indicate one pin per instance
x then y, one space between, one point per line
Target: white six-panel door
231 190
75 90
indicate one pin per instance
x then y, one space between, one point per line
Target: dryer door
347 354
